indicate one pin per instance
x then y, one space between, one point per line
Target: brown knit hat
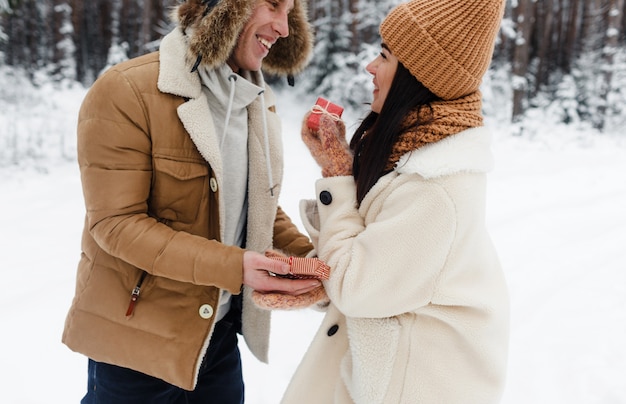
213 27
446 44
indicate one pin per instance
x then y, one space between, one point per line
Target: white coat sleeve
385 258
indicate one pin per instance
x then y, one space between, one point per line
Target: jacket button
332 330
206 311
213 184
325 197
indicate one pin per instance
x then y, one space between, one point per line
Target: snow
555 210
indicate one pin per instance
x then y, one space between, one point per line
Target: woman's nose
371 67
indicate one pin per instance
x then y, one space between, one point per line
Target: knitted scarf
430 124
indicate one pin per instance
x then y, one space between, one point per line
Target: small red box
322 106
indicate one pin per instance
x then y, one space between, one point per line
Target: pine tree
331 40
63 66
346 41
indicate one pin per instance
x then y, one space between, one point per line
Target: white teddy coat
420 308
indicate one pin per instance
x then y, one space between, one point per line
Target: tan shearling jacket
151 173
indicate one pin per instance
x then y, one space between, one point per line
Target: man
181 167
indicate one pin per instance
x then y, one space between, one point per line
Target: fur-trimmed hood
213 27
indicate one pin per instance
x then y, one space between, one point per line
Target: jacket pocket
178 188
165 307
368 365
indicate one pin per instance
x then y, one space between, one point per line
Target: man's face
267 24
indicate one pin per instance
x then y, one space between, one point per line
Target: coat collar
175 76
467 151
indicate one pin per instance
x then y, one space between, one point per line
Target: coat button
332 330
206 311
325 197
213 184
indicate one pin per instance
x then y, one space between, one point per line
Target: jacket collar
175 76
467 151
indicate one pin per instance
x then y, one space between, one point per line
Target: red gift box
305 268
323 106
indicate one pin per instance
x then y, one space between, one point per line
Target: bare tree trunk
130 23
352 8
146 22
63 48
570 47
608 52
592 40
56 23
31 27
622 37
545 33
522 15
593 25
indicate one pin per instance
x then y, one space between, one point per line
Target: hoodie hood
213 27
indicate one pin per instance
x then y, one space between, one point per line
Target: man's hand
257 274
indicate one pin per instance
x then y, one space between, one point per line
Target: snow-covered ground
556 210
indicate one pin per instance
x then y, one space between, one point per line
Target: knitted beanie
446 44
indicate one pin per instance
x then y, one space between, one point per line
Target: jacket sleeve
115 159
288 238
385 261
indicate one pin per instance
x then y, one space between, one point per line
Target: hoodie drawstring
231 98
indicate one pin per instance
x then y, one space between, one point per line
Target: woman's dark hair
373 140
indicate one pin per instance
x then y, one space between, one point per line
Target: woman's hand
328 145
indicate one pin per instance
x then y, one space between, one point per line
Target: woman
418 307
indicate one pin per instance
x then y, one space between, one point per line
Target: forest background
553 97
565 58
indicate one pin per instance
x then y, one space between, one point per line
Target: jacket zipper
134 296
